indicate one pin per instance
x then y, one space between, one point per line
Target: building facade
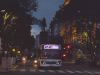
36 42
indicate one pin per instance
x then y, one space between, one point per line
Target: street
29 68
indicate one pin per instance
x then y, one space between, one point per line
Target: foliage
85 13
42 23
18 23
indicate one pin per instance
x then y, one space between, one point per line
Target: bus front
50 56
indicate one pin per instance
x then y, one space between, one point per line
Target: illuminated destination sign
51 47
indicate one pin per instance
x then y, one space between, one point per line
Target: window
51 54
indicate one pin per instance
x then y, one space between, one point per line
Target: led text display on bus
51 47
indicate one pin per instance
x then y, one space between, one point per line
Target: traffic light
64 55
68 46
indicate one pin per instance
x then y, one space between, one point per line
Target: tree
42 23
86 14
17 31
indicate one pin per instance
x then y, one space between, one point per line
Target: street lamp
2 10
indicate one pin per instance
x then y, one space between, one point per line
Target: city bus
49 56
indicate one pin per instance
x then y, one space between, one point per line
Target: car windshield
51 54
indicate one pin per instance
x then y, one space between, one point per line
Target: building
43 38
36 42
49 34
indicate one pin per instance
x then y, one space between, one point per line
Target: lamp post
1 31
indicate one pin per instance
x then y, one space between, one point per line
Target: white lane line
97 72
32 70
70 72
51 71
89 72
78 71
41 70
13 70
22 69
60 71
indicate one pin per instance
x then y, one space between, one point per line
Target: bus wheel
57 68
39 67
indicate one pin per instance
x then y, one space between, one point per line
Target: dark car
18 59
93 63
79 61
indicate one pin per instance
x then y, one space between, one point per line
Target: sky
47 9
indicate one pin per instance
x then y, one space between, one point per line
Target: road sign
5 52
18 51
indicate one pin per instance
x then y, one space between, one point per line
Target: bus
49 56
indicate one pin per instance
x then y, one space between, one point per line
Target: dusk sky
47 9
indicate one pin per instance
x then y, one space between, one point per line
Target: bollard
4 65
14 60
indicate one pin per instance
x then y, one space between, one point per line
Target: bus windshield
50 54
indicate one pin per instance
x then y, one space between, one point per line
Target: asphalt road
29 68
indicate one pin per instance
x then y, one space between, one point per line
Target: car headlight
35 61
23 58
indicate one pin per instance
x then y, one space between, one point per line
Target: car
35 61
23 58
17 60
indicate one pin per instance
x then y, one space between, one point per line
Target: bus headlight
58 62
42 62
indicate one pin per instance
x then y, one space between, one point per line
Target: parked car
79 61
17 60
93 62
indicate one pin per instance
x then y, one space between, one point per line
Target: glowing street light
2 10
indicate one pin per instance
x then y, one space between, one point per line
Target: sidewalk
11 67
81 66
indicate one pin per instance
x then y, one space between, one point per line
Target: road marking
13 70
51 71
22 69
70 72
79 71
41 70
15 66
97 72
32 70
89 72
60 71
